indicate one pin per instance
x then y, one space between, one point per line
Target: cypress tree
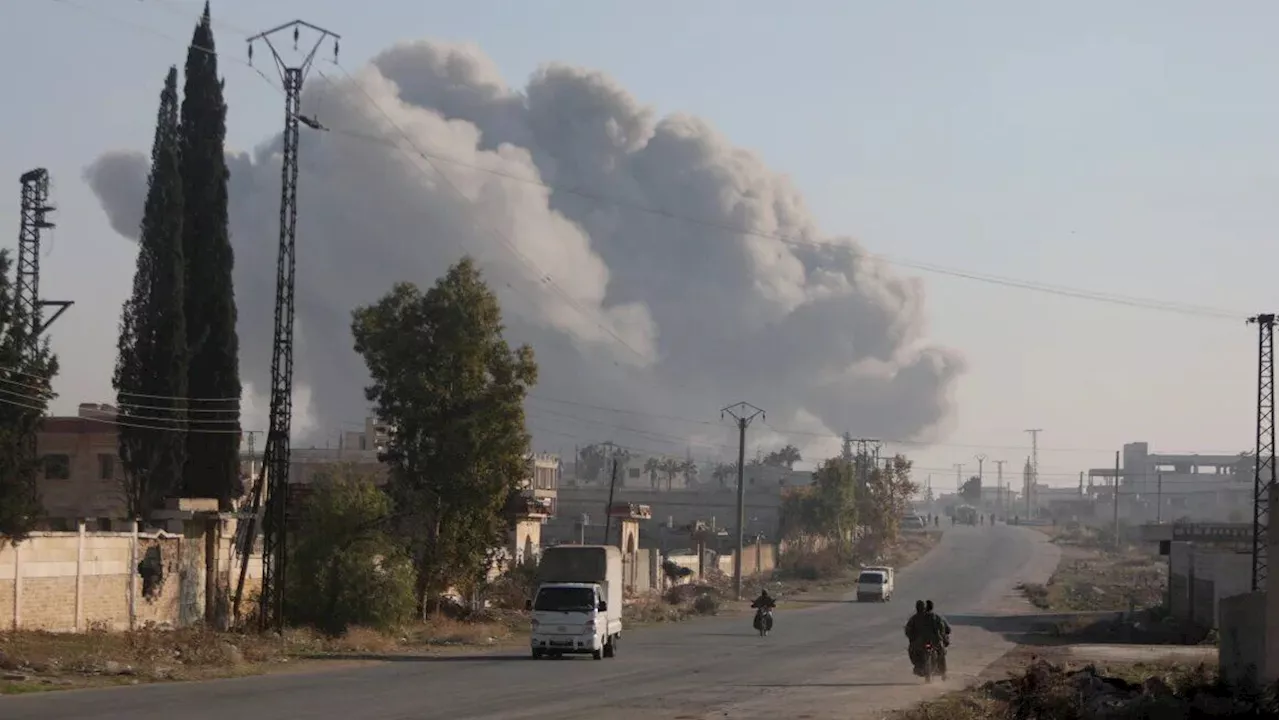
151 366
212 464
25 376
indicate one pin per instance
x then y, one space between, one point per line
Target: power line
118 423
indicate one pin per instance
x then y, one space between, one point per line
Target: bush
706 604
514 588
814 565
344 570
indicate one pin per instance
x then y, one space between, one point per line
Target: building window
57 467
106 466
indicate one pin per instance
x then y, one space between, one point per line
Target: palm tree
651 467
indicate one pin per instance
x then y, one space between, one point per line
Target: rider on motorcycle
946 626
764 601
763 604
925 628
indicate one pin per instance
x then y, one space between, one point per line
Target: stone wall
1242 639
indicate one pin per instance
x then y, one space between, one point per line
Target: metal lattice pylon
1264 459
273 483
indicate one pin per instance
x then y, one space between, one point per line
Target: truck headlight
589 628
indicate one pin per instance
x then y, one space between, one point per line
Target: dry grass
1091 577
32 661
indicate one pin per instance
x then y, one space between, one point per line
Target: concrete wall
759 559
78 581
1201 578
680 506
1242 642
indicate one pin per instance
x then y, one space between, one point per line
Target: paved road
824 660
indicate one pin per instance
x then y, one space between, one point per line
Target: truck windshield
565 599
872 578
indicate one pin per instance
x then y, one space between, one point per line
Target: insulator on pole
251 54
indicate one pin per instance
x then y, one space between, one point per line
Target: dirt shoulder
33 661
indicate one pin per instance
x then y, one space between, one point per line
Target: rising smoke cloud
624 308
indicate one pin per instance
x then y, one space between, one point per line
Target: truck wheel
611 647
537 654
597 654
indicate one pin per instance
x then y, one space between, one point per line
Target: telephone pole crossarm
742 413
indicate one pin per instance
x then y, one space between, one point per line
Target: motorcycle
763 622
932 664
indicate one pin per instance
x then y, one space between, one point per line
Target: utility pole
33 218
1159 495
1035 466
1115 503
981 458
1000 498
608 509
959 477
1264 457
274 481
742 414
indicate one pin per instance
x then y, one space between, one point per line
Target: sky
1111 148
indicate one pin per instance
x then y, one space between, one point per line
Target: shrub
344 570
706 604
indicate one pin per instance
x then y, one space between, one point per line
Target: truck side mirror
603 606
528 604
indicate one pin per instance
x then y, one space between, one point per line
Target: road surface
826 659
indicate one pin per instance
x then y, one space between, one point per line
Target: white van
875 584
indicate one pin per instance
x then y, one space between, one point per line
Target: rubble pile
1046 691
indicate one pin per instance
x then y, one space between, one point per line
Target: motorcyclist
946 626
762 604
921 629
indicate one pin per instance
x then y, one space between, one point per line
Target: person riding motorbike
924 628
762 605
946 626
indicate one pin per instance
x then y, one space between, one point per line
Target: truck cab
578 606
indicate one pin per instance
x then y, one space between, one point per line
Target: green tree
151 365
971 490
886 498
786 457
25 376
836 499
212 463
446 380
344 568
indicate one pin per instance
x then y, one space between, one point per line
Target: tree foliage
26 370
594 461
726 474
828 508
886 497
212 463
344 568
151 365
971 490
453 390
786 456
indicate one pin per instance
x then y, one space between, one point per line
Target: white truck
875 584
578 606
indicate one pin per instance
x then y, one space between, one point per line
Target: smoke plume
670 311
